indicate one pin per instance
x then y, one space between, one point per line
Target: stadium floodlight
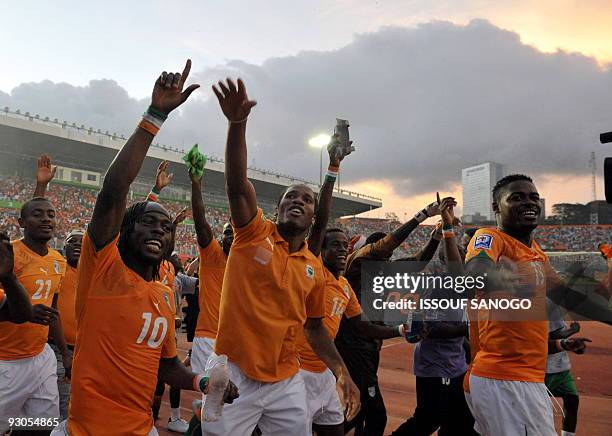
320 141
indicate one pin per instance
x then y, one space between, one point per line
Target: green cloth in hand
195 161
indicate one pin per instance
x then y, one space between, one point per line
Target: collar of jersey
278 239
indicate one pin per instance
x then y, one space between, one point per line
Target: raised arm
317 235
203 230
236 107
44 174
454 263
162 179
16 307
108 213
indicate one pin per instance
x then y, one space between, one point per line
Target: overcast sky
428 86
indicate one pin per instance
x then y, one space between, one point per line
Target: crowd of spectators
75 205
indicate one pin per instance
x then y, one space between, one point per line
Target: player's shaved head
29 205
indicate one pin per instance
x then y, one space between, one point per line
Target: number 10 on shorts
155 337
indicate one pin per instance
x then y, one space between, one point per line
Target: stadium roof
23 137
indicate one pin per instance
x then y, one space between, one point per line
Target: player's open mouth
530 214
154 245
296 211
46 228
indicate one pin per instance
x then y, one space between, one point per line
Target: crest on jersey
309 271
347 292
56 267
483 242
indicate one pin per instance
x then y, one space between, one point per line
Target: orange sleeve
212 256
255 230
353 308
485 242
169 347
315 301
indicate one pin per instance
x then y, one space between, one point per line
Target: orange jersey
513 350
124 326
268 293
41 277
65 304
212 268
340 300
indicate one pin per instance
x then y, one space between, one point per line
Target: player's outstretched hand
162 178
7 258
576 345
446 206
168 93
45 171
231 393
349 395
43 315
234 100
182 215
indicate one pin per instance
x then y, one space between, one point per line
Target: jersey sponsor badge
346 291
56 267
483 242
309 271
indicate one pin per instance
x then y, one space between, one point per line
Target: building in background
478 182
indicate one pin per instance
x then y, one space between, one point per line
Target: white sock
175 414
567 433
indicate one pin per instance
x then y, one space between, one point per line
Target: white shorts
62 430
201 350
324 407
468 400
509 408
279 409
28 388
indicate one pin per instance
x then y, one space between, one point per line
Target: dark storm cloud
423 102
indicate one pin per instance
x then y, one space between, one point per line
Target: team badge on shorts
56 267
309 271
483 241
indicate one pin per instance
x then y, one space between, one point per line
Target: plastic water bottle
414 326
218 379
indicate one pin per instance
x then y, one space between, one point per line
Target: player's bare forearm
174 373
112 199
403 231
17 308
203 230
323 346
454 263
56 331
366 329
315 240
579 303
428 251
40 190
240 191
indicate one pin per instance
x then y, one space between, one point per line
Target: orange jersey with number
41 277
212 269
124 326
65 304
268 293
340 300
513 350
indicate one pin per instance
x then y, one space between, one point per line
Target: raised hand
446 209
168 92
234 100
45 172
182 215
7 258
162 179
336 152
